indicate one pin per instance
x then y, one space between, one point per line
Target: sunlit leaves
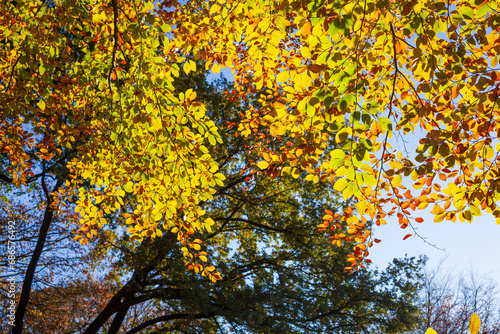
356 76
101 84
338 85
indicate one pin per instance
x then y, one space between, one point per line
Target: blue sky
463 244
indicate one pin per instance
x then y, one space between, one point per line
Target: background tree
448 301
59 291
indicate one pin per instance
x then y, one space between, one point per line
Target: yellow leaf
430 331
286 171
129 187
158 216
187 67
340 184
277 129
216 68
437 209
41 104
203 258
263 164
283 76
440 217
474 324
396 181
192 65
476 211
306 29
494 61
305 52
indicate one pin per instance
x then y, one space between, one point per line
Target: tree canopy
87 93
278 272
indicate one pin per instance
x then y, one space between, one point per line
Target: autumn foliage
339 82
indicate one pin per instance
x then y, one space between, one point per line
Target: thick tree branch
5 178
118 320
254 223
125 298
170 317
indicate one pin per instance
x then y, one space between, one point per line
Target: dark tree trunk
30 272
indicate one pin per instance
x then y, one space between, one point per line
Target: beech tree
96 78
279 274
87 88
282 276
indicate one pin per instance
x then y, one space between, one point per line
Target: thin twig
115 44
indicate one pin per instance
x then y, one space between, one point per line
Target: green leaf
385 123
337 158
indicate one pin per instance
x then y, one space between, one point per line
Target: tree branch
170 317
5 178
115 44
